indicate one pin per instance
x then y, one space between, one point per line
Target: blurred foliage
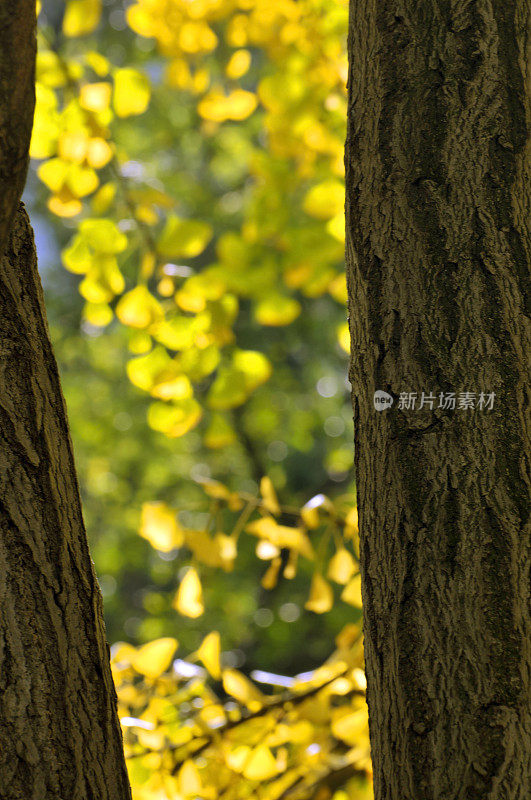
188 161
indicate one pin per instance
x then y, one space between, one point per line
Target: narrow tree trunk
59 734
438 248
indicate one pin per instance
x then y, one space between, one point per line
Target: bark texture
17 99
438 250
59 735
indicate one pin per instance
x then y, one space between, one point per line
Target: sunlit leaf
72 146
241 688
321 597
276 310
176 418
310 510
103 235
132 92
189 598
269 496
282 535
184 238
261 765
138 308
97 62
351 522
352 592
325 200
343 337
189 779
238 64
235 382
64 205
81 17
218 107
336 226
53 173
209 653
204 547
342 566
99 152
160 527
347 725
154 658
95 96
236 757
98 314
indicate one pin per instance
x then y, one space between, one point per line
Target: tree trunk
438 248
60 738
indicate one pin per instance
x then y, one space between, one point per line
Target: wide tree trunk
438 249
60 738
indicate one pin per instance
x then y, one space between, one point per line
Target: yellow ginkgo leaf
321 597
347 724
338 288
195 36
99 152
184 238
189 597
261 765
131 92
351 522
336 226
269 496
154 658
138 308
72 146
218 107
352 592
241 688
209 653
228 549
97 62
237 757
325 200
160 527
103 235
342 566
98 314
276 309
64 205
53 173
189 779
95 96
81 16
78 257
235 381
343 337
238 65
282 535
310 510
176 418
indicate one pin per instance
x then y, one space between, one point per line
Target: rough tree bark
438 247
60 738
